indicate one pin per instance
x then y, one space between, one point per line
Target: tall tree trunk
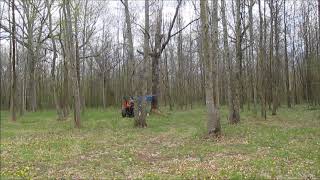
53 67
10 59
271 61
167 83
32 80
215 55
191 75
276 64
31 55
140 121
155 62
238 68
214 127
84 36
14 75
155 82
130 49
104 81
233 111
180 58
23 89
70 54
262 78
288 91
65 91
77 51
253 70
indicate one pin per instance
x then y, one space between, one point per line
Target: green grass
173 147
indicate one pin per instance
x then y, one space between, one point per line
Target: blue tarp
148 98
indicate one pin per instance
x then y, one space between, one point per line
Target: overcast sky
112 13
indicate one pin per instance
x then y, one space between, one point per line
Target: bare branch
171 26
184 27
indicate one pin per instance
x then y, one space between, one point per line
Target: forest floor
107 146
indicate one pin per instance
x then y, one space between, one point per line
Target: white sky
113 14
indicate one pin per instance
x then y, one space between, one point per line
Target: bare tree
159 46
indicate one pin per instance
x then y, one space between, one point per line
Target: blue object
148 98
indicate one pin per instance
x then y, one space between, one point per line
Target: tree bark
77 51
167 82
275 65
254 70
261 74
214 127
31 59
130 49
288 91
271 61
14 74
140 120
70 54
181 69
155 63
215 55
65 91
233 111
237 80
84 36
53 66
